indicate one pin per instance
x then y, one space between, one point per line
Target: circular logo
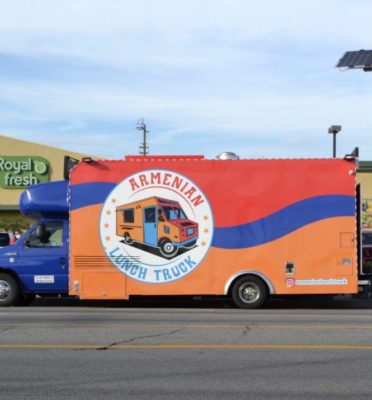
156 226
40 167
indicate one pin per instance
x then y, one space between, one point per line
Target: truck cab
38 262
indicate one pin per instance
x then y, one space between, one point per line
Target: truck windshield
173 213
53 237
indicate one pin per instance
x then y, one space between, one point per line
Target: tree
14 224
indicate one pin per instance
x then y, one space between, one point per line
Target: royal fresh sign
17 172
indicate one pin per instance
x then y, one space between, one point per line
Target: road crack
134 339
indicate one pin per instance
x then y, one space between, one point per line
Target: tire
167 249
128 239
9 290
25 299
249 292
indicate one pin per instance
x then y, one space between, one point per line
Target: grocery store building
25 163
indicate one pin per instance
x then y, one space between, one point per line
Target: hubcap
168 248
128 239
4 290
249 292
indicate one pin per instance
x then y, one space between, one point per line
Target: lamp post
334 129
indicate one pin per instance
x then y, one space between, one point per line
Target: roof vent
227 155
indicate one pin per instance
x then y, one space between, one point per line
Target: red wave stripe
240 191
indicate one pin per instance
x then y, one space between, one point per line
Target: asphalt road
195 350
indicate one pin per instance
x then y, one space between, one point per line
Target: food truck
186 225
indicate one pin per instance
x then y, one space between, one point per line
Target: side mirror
42 233
68 164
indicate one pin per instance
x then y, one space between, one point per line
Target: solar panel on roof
356 59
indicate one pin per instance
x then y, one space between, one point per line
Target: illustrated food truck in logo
156 222
156 226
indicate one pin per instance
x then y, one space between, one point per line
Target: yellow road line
216 346
311 327
281 326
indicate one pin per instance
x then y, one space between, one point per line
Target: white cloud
117 21
166 16
208 70
250 112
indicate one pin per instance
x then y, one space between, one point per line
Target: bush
12 224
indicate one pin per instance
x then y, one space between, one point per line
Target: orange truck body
194 226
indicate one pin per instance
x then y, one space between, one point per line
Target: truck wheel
167 248
9 290
249 292
127 238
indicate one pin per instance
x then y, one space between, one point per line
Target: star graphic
107 238
106 225
206 230
205 217
108 212
203 243
113 200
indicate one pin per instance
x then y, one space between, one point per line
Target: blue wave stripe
284 221
87 194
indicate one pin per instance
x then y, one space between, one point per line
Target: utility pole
144 148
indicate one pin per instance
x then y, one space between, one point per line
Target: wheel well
14 276
230 284
162 239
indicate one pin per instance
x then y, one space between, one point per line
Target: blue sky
256 78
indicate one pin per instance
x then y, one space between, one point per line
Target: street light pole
334 129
